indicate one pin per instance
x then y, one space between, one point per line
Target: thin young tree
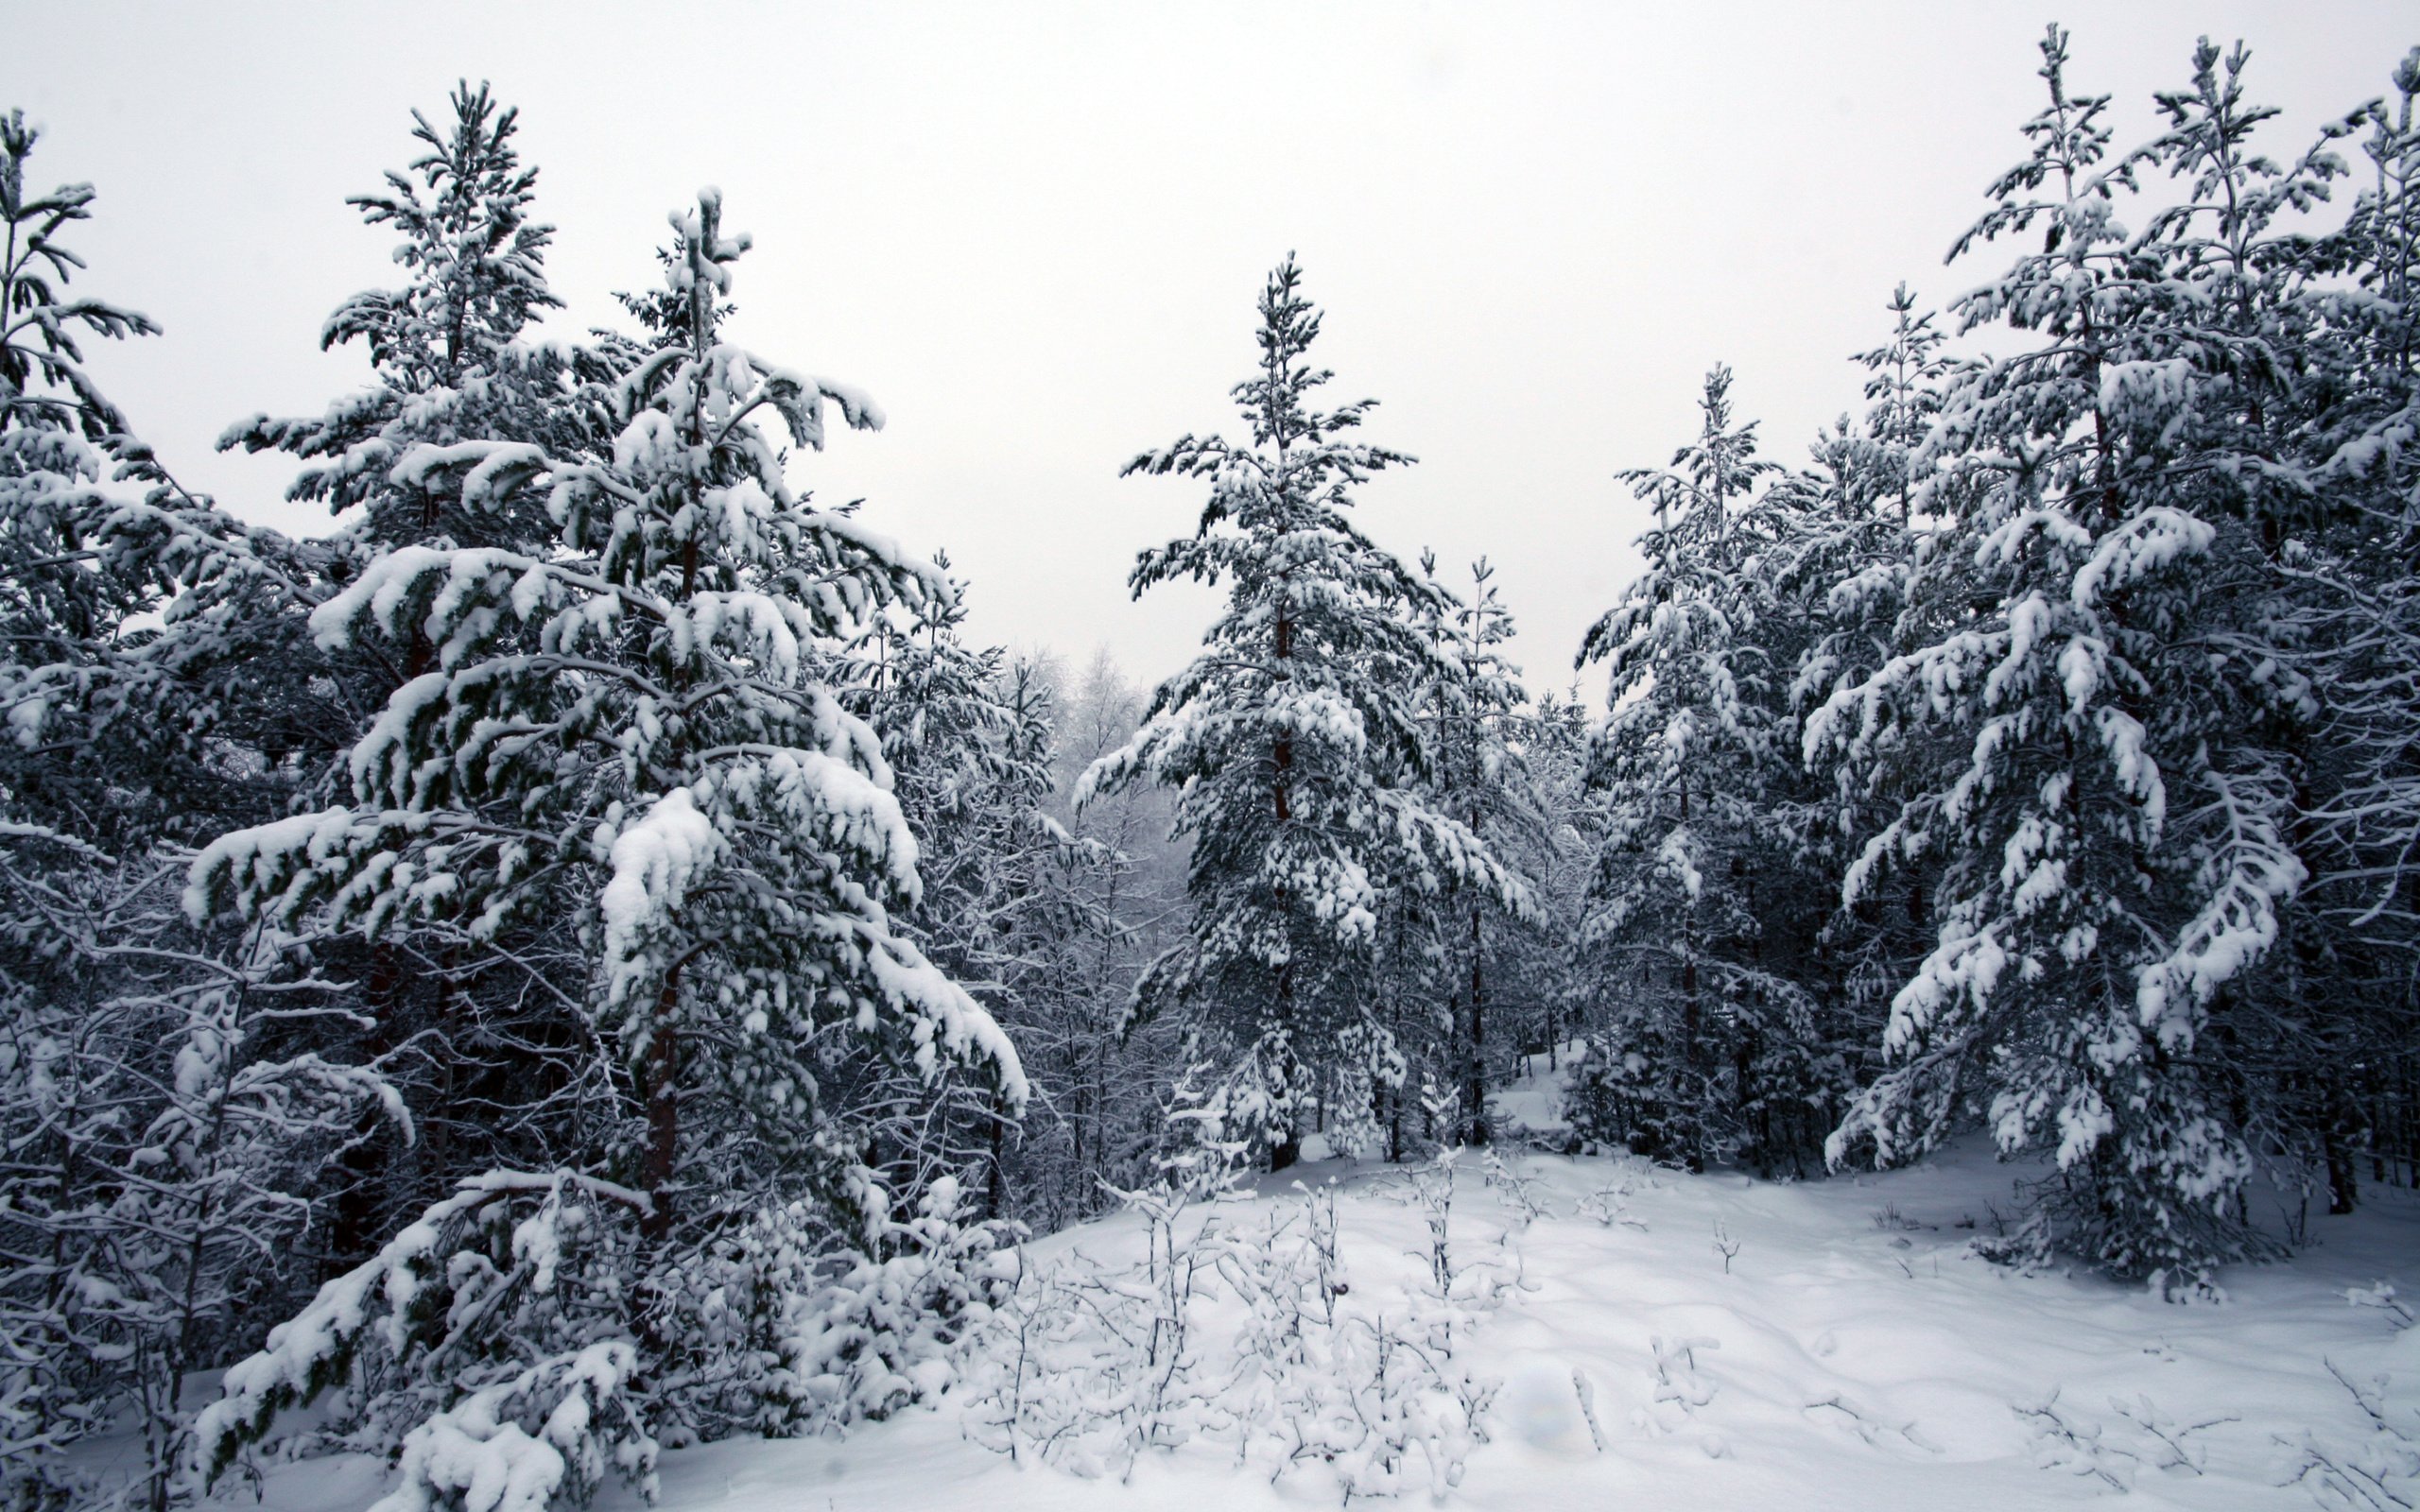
1294 740
1694 866
1483 779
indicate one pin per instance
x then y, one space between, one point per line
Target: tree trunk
353 1227
1475 1065
995 1186
2339 1130
1290 1149
1693 1088
663 1108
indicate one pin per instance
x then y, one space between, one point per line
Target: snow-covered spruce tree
1295 740
636 719
2089 623
1715 1049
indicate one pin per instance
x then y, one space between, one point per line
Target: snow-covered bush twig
2376 1473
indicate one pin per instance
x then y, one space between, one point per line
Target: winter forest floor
1855 1354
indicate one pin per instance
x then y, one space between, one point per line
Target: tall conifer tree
1295 740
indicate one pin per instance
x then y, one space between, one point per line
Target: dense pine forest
590 957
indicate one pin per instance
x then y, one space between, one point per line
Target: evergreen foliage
1722 1046
1297 745
634 723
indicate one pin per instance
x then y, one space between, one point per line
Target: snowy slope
1854 1355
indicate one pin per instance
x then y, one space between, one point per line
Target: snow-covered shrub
163 1133
1610 1203
2138 1435
1681 1389
526 1333
1370 1388
1519 1189
541 1438
1601 1091
885 1332
495 1331
2377 1470
1618 1097
1090 1366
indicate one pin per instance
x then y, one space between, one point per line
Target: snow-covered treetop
477 259
1675 625
39 324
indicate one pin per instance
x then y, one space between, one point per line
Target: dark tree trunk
2339 1130
1474 1066
663 1108
995 1187
353 1227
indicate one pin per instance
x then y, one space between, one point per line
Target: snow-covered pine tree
637 719
2350 1072
162 1109
56 437
2089 623
445 354
2251 309
1845 563
99 734
1483 779
1295 742
494 1045
1714 1051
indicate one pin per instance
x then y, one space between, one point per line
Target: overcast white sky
1035 232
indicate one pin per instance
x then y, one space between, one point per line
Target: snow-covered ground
1849 1353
